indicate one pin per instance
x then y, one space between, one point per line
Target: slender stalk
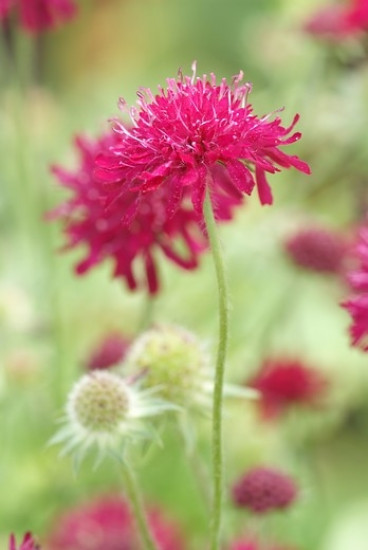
147 313
197 466
135 499
217 452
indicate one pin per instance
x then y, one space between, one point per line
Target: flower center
100 402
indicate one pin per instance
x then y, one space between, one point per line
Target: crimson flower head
38 15
106 523
337 22
94 216
110 351
283 383
197 135
262 490
317 249
357 305
28 543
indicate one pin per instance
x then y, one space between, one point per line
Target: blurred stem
39 58
135 499
217 451
8 41
197 466
147 313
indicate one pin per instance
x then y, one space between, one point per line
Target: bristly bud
103 410
262 490
284 383
172 359
317 249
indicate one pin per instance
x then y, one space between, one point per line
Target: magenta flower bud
109 352
317 249
262 490
283 383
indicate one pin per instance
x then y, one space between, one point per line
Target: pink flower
357 305
106 524
39 15
94 216
110 351
193 136
27 543
283 383
317 249
263 490
336 22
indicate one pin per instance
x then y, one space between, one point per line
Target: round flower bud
263 490
317 249
173 360
99 402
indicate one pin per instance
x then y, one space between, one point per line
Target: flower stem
217 452
135 499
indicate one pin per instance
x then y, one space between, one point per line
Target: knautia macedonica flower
103 412
357 305
263 490
95 216
28 543
193 136
110 351
38 15
106 523
173 359
317 249
284 383
339 21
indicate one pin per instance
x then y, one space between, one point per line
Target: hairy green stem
135 499
217 452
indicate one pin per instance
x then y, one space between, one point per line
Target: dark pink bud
262 490
110 351
317 249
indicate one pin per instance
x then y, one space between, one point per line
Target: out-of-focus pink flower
197 135
283 383
28 543
95 214
107 524
263 490
39 15
336 22
110 351
357 305
317 249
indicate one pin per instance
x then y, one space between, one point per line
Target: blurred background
67 81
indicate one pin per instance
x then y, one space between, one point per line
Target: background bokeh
50 319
